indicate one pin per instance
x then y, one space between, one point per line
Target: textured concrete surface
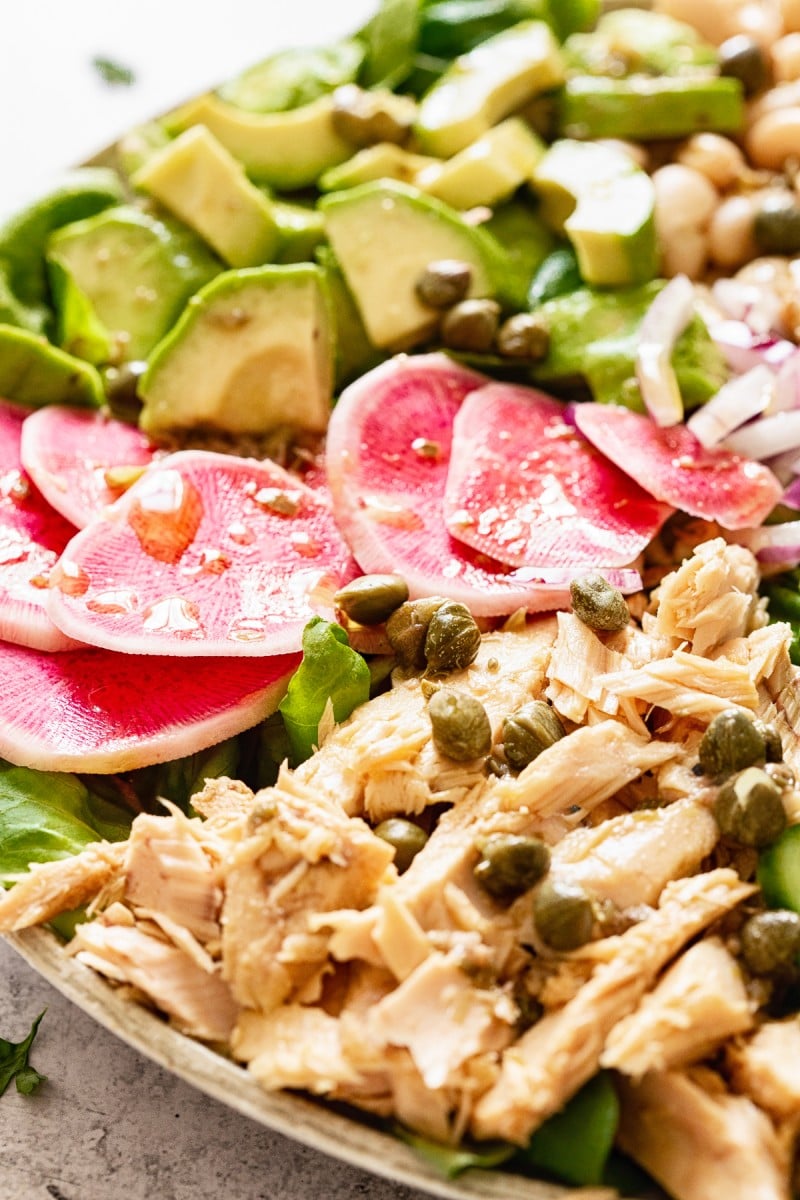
110 1125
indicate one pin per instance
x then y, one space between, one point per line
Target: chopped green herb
113 73
14 1063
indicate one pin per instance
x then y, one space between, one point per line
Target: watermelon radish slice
526 488
673 466
95 711
67 451
32 536
388 454
206 554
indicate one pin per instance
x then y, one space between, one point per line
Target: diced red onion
759 306
662 325
791 496
740 400
744 349
785 465
787 384
766 436
772 543
625 579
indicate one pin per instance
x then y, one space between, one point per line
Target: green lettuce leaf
14 1063
330 670
451 1161
574 1145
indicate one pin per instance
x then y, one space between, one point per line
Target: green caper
742 58
509 865
471 325
406 837
529 1008
598 604
444 283
407 629
371 599
366 117
731 742
453 639
461 727
529 731
121 388
771 941
776 224
563 915
523 336
749 809
773 746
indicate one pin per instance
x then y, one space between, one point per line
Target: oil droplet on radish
304 544
69 577
173 614
165 515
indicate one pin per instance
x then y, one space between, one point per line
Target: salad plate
629 454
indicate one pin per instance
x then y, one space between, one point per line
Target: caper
444 283
529 731
781 775
776 224
563 915
598 604
742 58
461 727
773 746
366 117
407 629
771 941
523 336
530 1010
120 385
749 809
471 325
509 865
453 639
406 837
371 599
730 743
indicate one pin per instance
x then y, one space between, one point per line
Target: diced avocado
201 182
645 108
485 85
594 336
293 78
355 353
384 235
120 279
384 160
605 205
635 41
23 236
526 241
138 145
488 171
34 373
300 230
283 150
251 353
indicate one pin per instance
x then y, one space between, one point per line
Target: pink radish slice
32 535
96 711
67 451
528 489
388 454
205 554
674 467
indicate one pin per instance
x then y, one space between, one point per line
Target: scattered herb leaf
113 73
451 1161
574 1145
14 1063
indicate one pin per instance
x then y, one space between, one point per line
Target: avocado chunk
384 235
487 172
645 108
286 150
252 353
199 181
293 78
300 230
482 87
120 279
384 160
594 338
355 353
634 41
34 373
23 237
605 205
138 145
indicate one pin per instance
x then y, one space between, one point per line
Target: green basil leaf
14 1063
390 38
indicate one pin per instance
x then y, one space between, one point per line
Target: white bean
730 233
716 157
774 139
790 11
760 21
684 199
717 20
685 255
786 58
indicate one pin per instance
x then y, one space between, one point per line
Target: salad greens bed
523 242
